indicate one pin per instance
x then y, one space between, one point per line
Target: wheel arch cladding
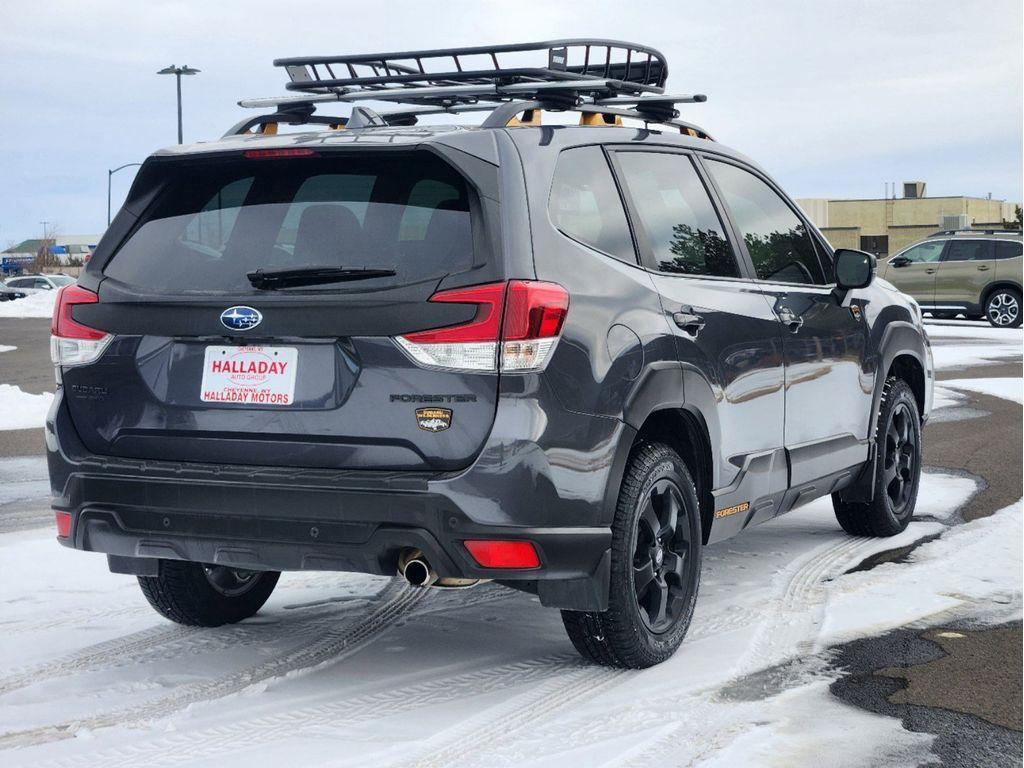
909 368
686 432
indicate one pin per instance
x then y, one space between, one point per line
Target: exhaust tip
417 572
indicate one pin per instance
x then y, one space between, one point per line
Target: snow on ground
33 305
971 344
22 410
478 677
6 348
350 671
1008 389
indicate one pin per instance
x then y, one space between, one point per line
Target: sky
834 97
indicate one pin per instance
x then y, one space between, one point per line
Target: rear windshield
214 222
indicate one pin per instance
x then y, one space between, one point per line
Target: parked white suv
38 283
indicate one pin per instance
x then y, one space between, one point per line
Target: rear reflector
63 525
258 154
503 554
72 343
515 328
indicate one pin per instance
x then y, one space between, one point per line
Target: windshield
216 222
61 280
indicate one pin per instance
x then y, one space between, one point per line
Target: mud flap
133 566
589 593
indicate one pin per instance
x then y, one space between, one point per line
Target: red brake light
483 327
63 524
258 154
62 323
534 310
503 554
515 328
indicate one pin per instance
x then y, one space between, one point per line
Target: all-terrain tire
188 594
621 636
884 515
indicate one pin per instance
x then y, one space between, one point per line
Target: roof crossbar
446 76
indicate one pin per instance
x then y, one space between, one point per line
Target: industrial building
886 225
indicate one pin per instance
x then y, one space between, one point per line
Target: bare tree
45 257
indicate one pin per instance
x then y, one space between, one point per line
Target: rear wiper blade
287 278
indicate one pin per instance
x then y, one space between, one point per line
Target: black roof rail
446 76
948 232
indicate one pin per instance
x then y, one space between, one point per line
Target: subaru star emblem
240 318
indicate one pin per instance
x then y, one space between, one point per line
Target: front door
828 379
727 337
914 270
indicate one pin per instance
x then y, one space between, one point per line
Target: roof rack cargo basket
549 71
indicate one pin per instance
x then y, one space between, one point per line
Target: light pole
110 173
178 72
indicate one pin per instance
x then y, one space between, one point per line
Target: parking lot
485 675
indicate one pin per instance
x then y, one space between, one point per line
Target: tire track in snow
398 599
170 641
185 748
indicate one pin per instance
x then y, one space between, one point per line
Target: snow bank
978 564
22 410
33 305
6 348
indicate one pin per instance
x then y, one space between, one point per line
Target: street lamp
178 72
110 174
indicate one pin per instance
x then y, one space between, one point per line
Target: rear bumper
299 519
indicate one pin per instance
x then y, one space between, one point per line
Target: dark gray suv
565 358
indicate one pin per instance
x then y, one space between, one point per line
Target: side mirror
854 269
899 261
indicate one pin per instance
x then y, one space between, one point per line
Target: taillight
516 327
72 343
63 524
503 554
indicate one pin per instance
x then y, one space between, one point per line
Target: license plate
254 375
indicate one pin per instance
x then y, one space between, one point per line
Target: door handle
930 271
791 320
982 267
689 322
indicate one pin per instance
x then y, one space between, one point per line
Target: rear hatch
253 308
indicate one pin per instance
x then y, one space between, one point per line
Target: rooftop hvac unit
913 189
953 222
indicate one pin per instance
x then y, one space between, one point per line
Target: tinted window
585 204
968 250
19 282
212 224
777 241
1008 250
929 251
682 227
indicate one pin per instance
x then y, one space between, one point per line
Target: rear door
829 378
727 336
966 268
914 270
206 367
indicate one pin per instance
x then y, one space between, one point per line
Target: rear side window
214 222
777 240
585 203
685 234
968 250
1008 250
